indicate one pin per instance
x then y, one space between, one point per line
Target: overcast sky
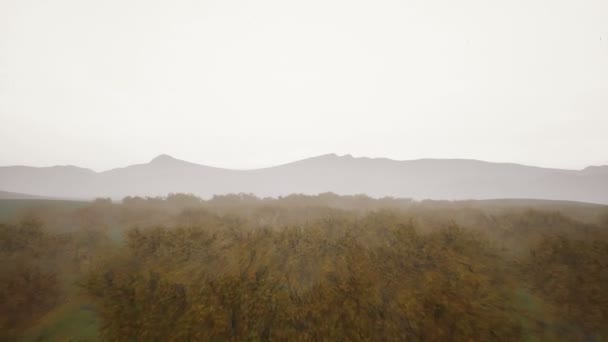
244 84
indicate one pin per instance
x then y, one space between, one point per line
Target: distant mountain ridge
377 177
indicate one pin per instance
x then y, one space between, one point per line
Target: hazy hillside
418 179
17 196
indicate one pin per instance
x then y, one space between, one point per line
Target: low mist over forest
327 267
319 170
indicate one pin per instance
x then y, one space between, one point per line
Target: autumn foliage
318 268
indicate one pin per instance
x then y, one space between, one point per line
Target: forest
305 268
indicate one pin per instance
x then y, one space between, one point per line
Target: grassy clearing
73 321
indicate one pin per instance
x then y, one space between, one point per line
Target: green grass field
72 321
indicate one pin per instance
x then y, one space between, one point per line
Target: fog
345 175
322 170
247 84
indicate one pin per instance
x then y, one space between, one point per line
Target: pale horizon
146 161
244 85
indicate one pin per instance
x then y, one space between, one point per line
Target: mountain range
450 179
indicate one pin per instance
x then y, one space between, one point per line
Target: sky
247 84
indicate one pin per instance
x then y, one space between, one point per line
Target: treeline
312 268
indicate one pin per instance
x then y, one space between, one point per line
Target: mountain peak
336 156
341 174
596 169
163 158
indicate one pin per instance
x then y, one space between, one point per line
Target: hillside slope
418 179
